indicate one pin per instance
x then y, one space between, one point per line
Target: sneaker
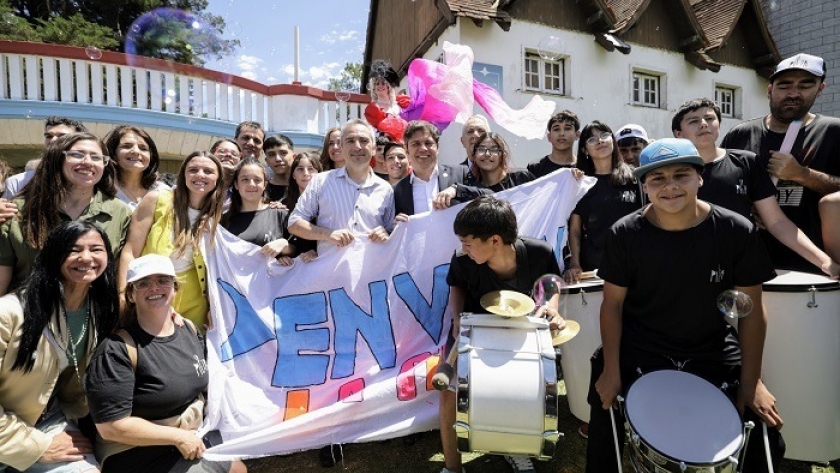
521 463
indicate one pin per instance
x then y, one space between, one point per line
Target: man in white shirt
341 205
423 189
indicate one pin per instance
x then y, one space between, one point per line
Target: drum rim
741 438
823 285
597 286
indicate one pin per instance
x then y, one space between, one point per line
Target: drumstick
615 439
445 371
787 143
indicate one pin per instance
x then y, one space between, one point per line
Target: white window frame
535 80
727 98
647 89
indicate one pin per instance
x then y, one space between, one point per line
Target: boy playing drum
493 257
663 269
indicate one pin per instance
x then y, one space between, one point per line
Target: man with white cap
664 267
806 163
631 139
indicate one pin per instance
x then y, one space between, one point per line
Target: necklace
131 195
71 354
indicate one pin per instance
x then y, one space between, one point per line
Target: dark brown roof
717 18
475 9
625 12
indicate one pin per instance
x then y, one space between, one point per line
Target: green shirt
110 214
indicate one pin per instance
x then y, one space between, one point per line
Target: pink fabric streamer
443 93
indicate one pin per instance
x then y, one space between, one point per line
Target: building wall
813 27
599 82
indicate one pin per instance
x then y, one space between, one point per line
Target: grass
425 457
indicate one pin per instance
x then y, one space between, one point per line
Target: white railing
37 72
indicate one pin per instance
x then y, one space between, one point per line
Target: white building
618 61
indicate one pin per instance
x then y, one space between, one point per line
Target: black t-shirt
735 182
602 206
673 280
546 166
261 226
817 146
171 373
513 178
534 258
276 191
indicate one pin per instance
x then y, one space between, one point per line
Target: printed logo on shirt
717 274
628 196
200 366
741 188
789 194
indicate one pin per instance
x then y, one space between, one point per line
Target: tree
350 78
184 32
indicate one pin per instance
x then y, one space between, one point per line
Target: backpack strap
130 347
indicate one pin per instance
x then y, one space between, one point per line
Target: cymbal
507 303
569 332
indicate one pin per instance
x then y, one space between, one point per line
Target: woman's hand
190 445
67 447
273 248
555 322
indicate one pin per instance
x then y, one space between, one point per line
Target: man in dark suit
430 186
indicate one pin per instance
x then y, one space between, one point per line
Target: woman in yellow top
171 223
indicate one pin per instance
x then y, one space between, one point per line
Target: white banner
340 350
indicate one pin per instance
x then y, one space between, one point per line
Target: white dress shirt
424 191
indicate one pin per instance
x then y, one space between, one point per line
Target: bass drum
801 353
507 386
583 305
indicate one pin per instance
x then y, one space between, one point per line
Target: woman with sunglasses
73 182
48 332
491 164
172 223
614 195
146 383
137 160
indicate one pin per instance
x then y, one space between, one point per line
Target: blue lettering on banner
430 316
374 328
297 366
249 331
295 369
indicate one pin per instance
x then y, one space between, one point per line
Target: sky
332 33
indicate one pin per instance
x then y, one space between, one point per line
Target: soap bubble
551 47
342 95
548 290
175 35
734 304
93 52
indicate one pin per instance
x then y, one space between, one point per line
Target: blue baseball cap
665 152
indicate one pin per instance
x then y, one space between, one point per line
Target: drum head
684 417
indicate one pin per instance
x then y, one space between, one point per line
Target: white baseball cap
148 265
802 62
631 130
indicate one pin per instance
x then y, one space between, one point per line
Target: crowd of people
103 281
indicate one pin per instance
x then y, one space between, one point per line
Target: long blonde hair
210 211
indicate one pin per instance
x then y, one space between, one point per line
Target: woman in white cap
48 331
146 383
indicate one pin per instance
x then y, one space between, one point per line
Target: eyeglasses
227 153
164 282
481 150
79 156
595 139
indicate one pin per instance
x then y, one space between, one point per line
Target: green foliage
106 24
350 78
76 31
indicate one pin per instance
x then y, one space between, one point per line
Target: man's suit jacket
404 196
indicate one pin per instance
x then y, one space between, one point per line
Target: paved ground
425 457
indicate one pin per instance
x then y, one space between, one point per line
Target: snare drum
679 422
507 386
583 305
801 352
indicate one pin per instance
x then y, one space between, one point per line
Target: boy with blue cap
663 269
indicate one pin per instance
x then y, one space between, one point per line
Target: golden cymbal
507 303
569 332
